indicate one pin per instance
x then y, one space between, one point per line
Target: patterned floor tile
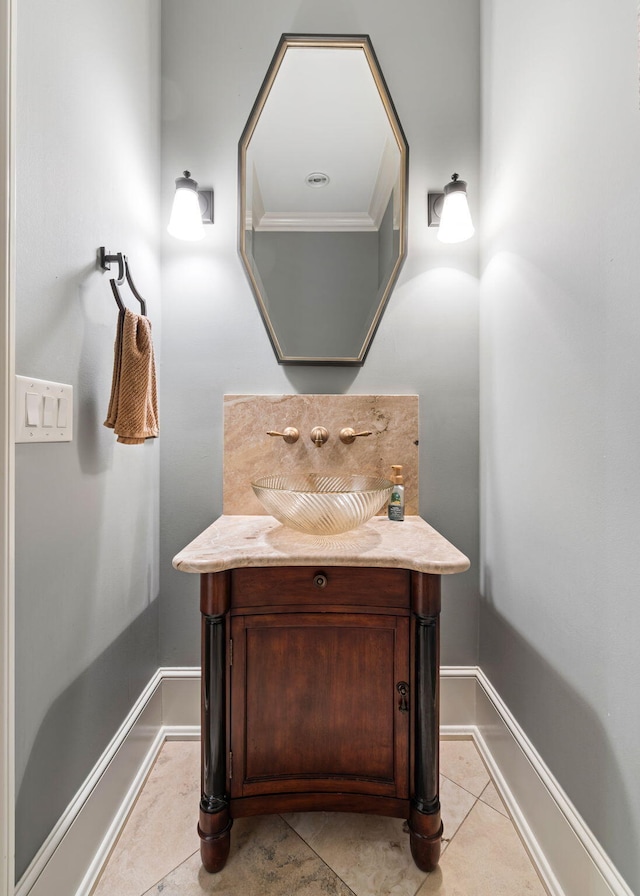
267 858
485 858
461 763
161 831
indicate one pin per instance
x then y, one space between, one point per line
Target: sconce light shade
185 222
449 212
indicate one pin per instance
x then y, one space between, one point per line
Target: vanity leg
215 822
425 824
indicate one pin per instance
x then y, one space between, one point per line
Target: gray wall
214 59
559 342
560 419
87 512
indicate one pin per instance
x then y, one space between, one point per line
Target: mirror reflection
323 168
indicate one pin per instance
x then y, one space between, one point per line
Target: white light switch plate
44 410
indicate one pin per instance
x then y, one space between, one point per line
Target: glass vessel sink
322 504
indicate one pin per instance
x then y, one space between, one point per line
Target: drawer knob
320 580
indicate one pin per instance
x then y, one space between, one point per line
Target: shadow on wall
566 732
78 728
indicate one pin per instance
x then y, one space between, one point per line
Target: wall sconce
449 212
191 209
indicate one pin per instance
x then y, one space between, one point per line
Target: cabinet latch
403 689
230 765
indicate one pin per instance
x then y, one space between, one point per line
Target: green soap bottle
396 501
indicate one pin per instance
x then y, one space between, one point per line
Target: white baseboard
568 857
71 858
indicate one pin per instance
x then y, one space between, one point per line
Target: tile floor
318 854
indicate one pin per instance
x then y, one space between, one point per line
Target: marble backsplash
250 453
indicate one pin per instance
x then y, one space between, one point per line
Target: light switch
50 414
32 408
62 412
43 410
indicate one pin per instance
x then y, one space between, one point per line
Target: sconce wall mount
435 201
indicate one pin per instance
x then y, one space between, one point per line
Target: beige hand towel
133 406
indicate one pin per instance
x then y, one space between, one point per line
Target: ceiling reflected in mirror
323 182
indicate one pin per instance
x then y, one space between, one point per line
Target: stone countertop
240 541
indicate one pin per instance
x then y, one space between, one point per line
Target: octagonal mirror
323 198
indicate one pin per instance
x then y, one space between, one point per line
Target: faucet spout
319 436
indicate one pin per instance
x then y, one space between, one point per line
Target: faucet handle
290 434
349 435
319 436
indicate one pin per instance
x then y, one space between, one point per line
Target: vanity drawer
328 585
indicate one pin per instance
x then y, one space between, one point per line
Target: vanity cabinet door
315 705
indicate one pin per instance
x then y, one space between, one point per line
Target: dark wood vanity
320 692
320 679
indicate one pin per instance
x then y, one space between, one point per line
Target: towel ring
132 287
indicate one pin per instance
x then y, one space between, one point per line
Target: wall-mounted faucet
349 435
319 436
290 434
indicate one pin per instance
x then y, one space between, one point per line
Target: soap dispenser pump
396 501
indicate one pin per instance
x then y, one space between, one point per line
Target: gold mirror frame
363 43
